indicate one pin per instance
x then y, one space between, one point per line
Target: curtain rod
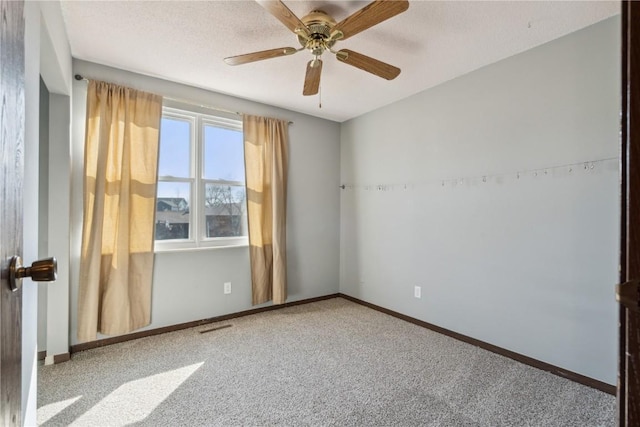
184 101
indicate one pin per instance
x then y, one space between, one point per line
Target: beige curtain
120 178
266 160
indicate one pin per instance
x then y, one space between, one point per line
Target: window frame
199 117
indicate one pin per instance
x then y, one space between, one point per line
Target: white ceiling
432 42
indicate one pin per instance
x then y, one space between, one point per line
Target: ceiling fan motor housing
319 25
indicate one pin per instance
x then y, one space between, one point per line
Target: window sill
158 250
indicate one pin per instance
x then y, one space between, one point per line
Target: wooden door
12 112
629 292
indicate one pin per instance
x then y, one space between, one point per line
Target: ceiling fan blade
312 79
368 64
370 15
284 15
259 56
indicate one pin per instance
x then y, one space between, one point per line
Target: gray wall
523 261
57 311
188 284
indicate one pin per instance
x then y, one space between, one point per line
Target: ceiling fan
318 32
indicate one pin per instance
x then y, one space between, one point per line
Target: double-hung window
201 196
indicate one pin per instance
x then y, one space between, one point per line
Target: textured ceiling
432 42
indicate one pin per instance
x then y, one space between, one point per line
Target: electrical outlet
417 292
227 287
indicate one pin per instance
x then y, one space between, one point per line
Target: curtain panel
120 178
266 163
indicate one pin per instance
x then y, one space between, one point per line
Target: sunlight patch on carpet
134 401
49 411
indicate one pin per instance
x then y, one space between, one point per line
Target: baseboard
54 359
59 358
157 331
556 370
573 376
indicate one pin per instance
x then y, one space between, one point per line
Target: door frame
629 319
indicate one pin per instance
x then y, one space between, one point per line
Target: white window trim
199 119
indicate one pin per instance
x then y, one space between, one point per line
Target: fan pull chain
320 97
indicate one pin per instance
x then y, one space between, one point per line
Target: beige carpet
330 363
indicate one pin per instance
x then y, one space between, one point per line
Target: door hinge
628 294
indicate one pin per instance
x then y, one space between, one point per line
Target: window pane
175 148
223 154
173 216
225 210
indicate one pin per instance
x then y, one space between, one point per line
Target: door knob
44 270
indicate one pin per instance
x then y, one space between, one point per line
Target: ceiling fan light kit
318 32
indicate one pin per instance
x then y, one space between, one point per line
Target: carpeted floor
329 363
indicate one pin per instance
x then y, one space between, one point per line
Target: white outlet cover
227 287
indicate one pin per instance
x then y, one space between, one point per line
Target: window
201 199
